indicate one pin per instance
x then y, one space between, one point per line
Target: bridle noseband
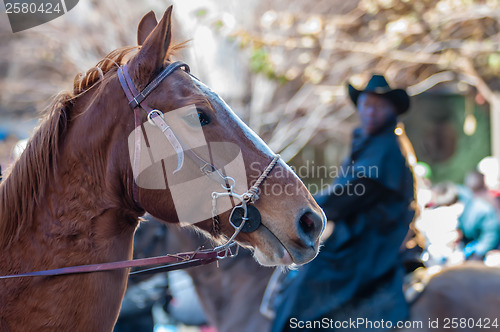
244 217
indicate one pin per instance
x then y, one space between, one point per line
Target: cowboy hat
379 86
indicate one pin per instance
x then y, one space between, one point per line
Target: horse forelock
84 81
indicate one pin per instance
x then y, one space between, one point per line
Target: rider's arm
340 202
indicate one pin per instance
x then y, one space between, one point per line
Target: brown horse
460 298
71 198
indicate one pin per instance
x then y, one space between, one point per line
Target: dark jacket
361 260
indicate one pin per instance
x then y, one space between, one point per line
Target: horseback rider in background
359 273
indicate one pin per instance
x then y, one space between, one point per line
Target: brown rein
177 261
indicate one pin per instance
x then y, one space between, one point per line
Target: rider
358 273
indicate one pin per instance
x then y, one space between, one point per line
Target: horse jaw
275 260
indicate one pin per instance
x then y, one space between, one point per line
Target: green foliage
260 63
468 151
494 61
219 24
201 12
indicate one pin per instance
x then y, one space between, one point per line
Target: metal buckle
150 114
207 169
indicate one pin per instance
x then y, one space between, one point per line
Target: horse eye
203 118
195 118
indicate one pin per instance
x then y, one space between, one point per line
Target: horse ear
154 49
146 26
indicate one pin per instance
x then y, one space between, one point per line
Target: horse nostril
310 225
306 223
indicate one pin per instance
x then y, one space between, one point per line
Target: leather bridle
188 259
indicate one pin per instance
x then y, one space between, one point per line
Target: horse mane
23 188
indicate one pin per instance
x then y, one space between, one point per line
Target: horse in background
72 197
231 292
219 287
459 298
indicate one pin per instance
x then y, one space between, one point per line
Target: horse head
209 136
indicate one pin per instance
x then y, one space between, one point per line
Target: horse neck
88 203
85 215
